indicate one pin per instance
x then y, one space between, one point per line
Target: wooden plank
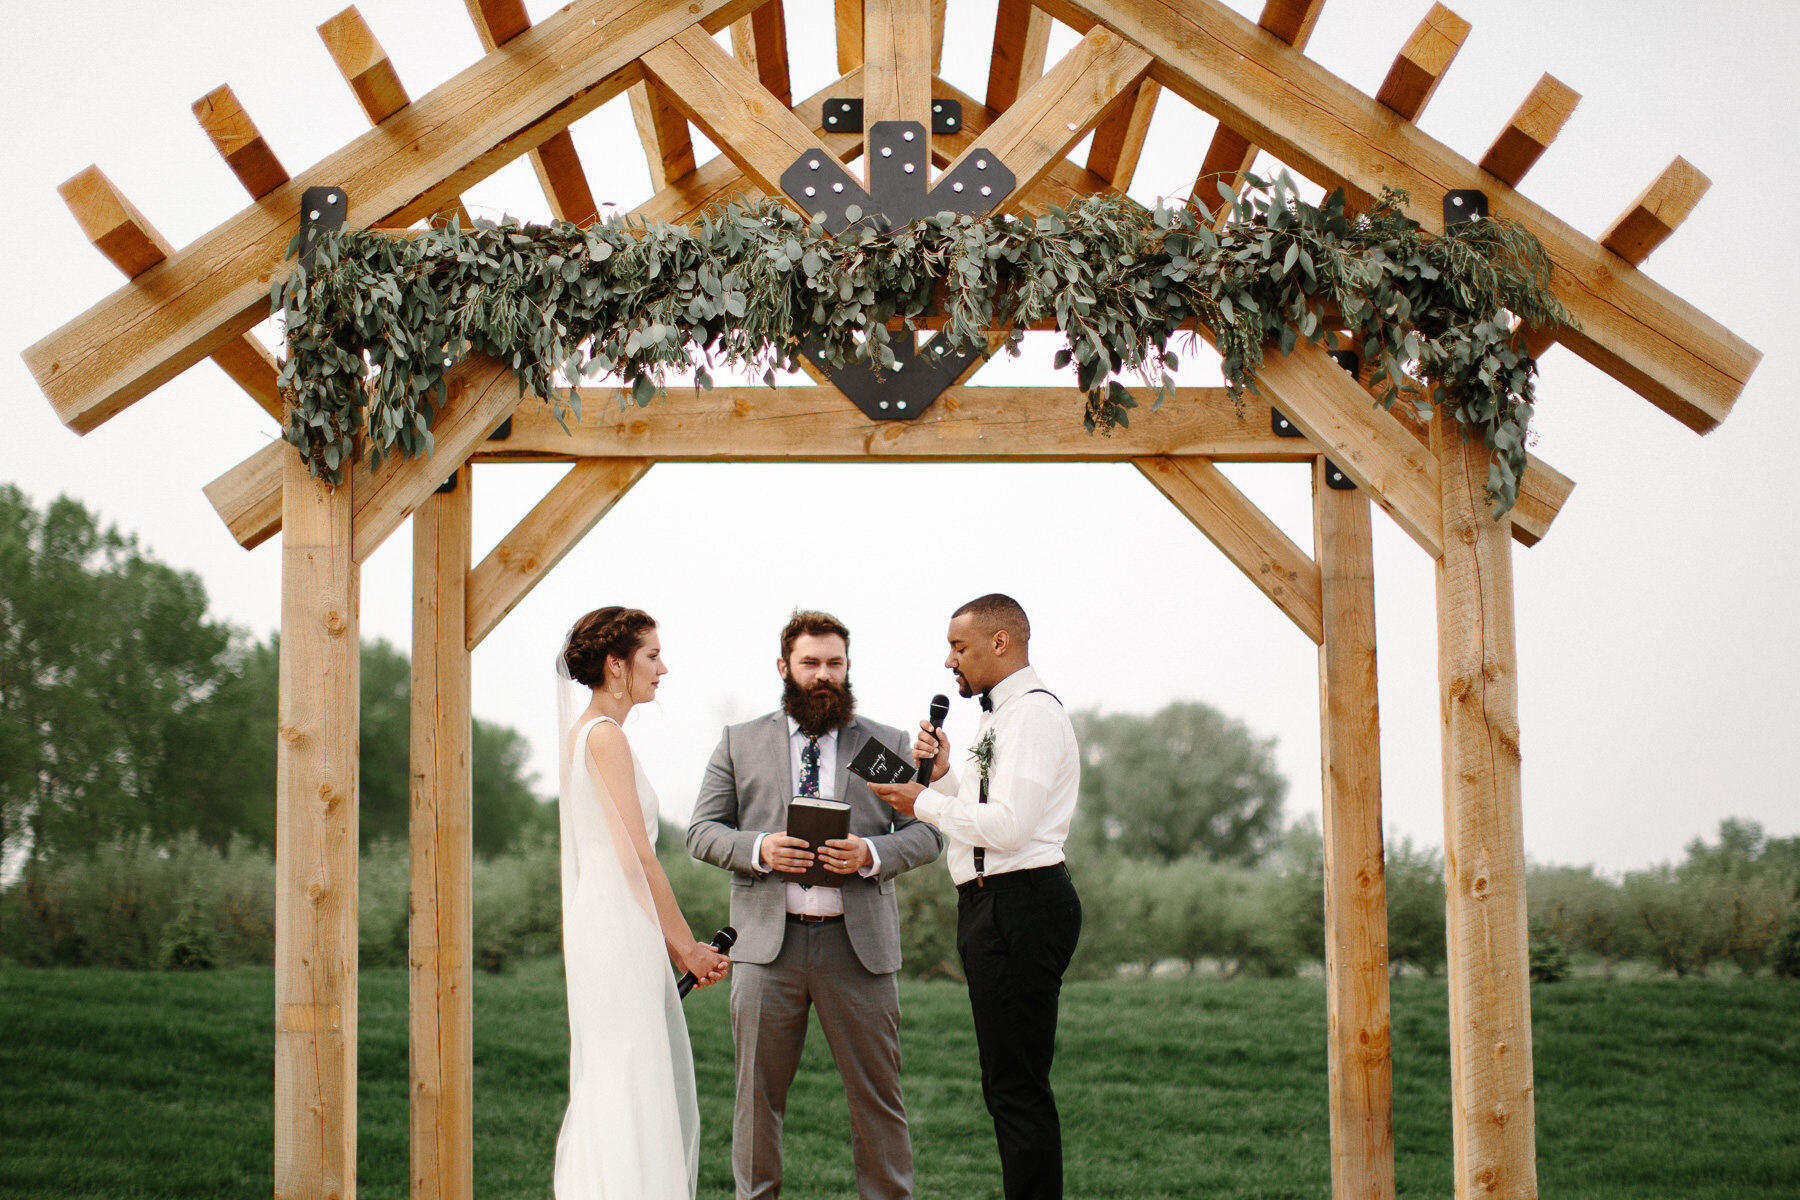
1358 1041
1531 130
481 393
1632 328
1229 155
1254 544
966 424
420 159
555 162
849 16
760 42
939 12
540 540
1021 43
122 233
897 61
316 843
1099 74
1119 140
440 945
1492 1106
1423 62
364 65
1657 212
235 136
663 132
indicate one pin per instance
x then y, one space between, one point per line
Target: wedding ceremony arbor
183 305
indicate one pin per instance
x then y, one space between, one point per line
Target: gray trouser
860 1014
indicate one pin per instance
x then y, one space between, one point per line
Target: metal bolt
887 152
956 187
331 198
811 191
837 187
987 191
909 168
908 135
831 120
949 120
313 215
981 164
812 164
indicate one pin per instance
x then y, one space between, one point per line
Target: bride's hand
707 965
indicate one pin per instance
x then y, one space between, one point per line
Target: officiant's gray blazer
745 793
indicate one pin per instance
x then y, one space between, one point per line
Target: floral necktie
809 766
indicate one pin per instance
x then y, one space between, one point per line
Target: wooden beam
235 136
1657 212
1423 62
366 67
1531 130
849 15
421 158
1119 140
1021 42
316 843
1229 155
440 941
1036 133
1492 1107
122 233
663 131
539 541
555 162
1630 327
897 62
1358 1038
939 12
759 41
481 393
1254 544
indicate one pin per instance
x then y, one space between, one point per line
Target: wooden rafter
897 61
128 240
1423 62
668 146
1531 130
1632 328
849 18
555 162
1021 43
1229 154
218 287
1269 558
239 142
1119 140
759 41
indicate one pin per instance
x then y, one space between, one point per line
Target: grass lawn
127 1085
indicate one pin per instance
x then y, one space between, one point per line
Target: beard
823 707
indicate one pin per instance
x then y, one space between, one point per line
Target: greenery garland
377 319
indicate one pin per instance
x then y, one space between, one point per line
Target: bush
1549 961
1784 958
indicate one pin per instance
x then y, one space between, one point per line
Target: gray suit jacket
745 793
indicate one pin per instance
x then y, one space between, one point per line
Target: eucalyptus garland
377 319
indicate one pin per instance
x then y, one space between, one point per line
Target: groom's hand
788 855
898 796
844 856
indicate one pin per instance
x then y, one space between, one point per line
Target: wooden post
1484 852
441 1011
315 844
1356 957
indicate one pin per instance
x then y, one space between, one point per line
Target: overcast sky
1658 652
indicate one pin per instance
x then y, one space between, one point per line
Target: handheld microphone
722 942
940 708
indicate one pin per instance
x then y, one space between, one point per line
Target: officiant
1006 816
834 946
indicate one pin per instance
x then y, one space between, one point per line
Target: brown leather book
818 821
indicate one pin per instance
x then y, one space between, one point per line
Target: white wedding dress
632 1131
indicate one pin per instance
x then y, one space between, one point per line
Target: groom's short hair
811 621
996 611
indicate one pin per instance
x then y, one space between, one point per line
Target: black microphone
722 942
940 708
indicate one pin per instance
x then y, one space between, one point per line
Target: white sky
1658 655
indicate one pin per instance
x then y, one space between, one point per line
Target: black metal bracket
320 208
1336 480
502 431
449 485
900 190
1464 204
1281 426
845 115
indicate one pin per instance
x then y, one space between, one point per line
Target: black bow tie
987 701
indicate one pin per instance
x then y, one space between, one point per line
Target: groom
837 949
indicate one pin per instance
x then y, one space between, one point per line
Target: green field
120 1084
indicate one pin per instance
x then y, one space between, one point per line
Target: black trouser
1015 933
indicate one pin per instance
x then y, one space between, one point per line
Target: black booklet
877 764
817 821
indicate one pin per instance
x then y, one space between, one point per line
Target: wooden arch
519 100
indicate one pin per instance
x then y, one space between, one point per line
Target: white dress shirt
815 901
1033 779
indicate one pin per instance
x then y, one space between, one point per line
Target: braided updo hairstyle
607 631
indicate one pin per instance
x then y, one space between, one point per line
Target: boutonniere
984 754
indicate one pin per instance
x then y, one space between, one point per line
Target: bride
632 1130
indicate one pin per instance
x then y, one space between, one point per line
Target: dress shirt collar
1017 684
793 727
